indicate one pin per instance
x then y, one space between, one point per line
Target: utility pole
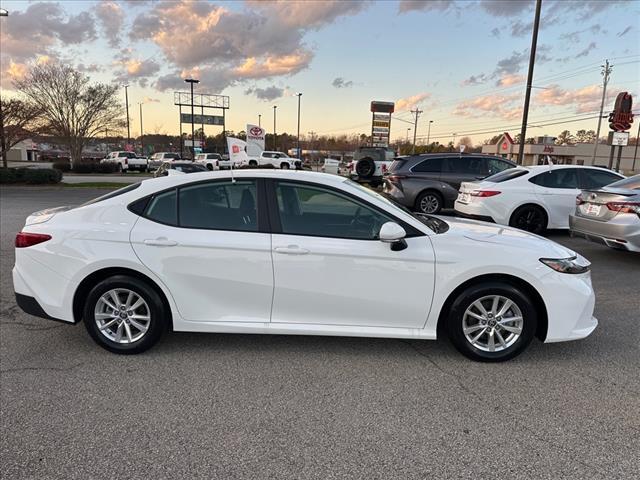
527 97
606 71
275 135
298 149
126 101
191 81
429 132
141 132
415 129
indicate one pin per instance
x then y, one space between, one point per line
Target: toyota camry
298 253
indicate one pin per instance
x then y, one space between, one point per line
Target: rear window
163 209
171 155
632 183
113 194
506 175
433 165
397 164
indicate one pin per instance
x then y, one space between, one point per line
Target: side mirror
394 234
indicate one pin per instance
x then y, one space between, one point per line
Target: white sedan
303 253
530 198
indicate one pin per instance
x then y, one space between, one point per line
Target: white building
24 151
578 154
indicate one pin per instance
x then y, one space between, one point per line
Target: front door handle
291 250
160 242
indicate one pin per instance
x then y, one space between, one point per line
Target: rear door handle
291 250
160 242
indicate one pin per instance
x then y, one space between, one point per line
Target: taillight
396 178
484 193
25 239
624 207
384 167
126 161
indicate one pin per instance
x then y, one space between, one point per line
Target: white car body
122 158
159 158
276 283
276 159
213 161
510 195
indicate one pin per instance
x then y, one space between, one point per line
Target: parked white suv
210 160
277 159
122 159
159 158
370 164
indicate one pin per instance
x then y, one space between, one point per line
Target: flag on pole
237 152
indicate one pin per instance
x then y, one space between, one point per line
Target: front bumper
621 232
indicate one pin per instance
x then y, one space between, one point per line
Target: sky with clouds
463 62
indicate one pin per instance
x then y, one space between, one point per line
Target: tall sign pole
141 132
298 149
606 71
527 97
126 101
191 81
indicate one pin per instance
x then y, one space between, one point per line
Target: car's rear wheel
124 315
429 202
492 322
530 218
253 163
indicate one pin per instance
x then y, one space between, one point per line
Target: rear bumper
621 232
473 210
373 179
31 306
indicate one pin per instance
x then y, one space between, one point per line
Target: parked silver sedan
610 215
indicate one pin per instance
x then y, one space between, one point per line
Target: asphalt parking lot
244 406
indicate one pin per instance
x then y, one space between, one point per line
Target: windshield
434 223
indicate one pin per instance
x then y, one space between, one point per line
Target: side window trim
274 211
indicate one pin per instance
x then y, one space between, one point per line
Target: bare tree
73 109
18 120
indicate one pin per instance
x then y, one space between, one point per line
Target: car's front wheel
492 322
124 315
284 166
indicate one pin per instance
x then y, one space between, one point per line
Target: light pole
429 131
191 81
141 131
407 140
275 135
454 141
298 149
260 120
126 101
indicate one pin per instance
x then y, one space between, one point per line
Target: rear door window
163 209
465 165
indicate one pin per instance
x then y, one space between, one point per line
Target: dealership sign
255 139
381 123
621 118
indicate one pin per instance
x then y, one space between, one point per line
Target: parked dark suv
429 183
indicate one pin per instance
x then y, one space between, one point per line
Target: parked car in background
531 198
428 183
205 253
275 159
331 165
209 160
609 215
121 158
158 158
182 166
139 163
370 164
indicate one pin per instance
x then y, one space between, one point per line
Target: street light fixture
191 81
298 149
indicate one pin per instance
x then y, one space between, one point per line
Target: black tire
284 166
156 311
530 218
513 347
429 202
119 168
365 168
253 163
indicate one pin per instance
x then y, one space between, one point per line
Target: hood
501 235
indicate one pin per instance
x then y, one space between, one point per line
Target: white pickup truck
277 159
127 161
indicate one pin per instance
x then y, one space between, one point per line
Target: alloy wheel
429 204
492 323
122 316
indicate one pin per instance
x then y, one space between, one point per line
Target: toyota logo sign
256 131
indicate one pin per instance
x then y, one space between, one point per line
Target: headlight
567 265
